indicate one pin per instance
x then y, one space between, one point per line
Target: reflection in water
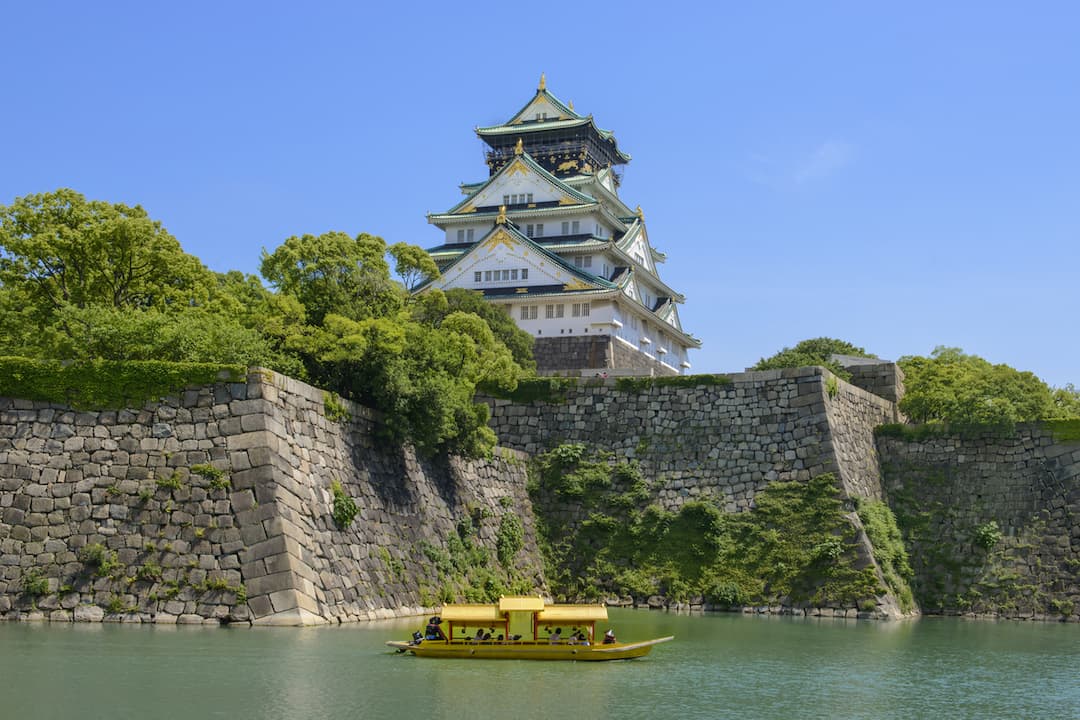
720 666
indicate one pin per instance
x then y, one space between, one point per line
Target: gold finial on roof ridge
543 83
519 148
501 219
640 213
571 105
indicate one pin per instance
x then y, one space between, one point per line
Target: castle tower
547 237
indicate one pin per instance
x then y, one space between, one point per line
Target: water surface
720 666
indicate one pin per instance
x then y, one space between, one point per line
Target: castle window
529 230
487 276
549 311
524 273
528 312
540 230
566 228
469 235
461 236
476 276
528 198
559 309
505 275
513 274
579 310
576 227
588 261
506 199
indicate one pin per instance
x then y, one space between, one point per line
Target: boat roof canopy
521 603
472 613
572 613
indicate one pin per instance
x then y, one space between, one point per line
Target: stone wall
257 544
571 353
884 379
625 356
991 520
575 354
722 441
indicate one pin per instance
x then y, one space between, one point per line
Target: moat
720 666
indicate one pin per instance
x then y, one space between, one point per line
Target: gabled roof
565 111
524 120
521 161
508 234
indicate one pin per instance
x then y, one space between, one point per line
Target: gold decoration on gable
564 200
577 285
499 238
568 165
520 291
467 208
517 166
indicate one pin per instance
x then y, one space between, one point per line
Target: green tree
434 305
413 265
59 249
816 351
334 273
1066 402
951 386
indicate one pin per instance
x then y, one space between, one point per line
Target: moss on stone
105 383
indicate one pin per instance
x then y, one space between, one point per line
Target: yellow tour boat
521 628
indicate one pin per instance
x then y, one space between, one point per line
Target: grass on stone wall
880 525
640 384
1064 431
528 390
102 384
462 569
794 547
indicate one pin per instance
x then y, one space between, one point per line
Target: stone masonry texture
260 545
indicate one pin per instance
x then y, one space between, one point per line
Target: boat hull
528 651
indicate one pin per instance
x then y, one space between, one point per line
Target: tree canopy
87 280
951 386
816 351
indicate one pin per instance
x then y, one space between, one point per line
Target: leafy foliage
795 544
817 351
951 386
510 539
889 551
344 506
90 282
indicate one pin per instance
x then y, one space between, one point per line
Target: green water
720 666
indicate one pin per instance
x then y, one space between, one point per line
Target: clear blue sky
899 177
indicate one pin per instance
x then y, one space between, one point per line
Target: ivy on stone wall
602 536
106 383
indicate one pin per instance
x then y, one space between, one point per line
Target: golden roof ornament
543 83
640 213
518 148
571 105
501 219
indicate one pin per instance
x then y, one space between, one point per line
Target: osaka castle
547 237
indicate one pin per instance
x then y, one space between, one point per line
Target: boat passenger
556 637
434 631
609 637
582 639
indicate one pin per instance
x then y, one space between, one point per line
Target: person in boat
556 637
434 630
609 637
582 638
